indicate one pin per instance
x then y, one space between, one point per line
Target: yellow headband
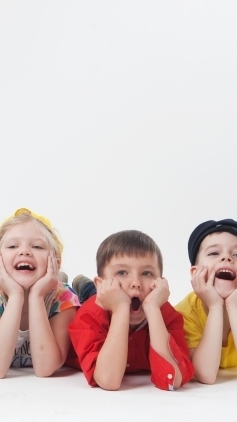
43 220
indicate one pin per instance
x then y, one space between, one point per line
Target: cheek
43 263
7 260
124 281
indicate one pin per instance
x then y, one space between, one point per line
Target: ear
193 270
97 280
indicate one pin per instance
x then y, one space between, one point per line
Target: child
129 326
210 312
35 307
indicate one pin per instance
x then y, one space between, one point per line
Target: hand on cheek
49 281
7 284
110 295
204 288
159 293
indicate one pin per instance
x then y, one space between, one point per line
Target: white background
119 115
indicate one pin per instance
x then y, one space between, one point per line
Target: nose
136 284
24 251
227 258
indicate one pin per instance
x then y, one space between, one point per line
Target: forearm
45 352
159 337
232 314
112 358
206 356
9 330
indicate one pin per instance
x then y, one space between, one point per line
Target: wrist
150 306
17 297
151 309
36 293
216 307
122 308
230 305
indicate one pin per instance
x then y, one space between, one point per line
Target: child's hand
205 290
7 284
50 280
111 296
159 293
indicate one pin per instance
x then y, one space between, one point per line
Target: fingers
199 277
52 268
211 278
160 281
107 284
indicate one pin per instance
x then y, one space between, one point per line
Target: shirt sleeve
88 332
64 298
162 371
194 319
2 304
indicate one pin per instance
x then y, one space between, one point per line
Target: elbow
3 374
108 384
206 378
43 373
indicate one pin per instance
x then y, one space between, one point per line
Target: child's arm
231 307
49 339
109 372
10 320
159 336
206 356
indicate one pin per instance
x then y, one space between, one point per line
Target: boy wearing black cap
210 312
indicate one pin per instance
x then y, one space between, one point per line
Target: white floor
67 397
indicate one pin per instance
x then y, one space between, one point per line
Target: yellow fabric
194 322
44 220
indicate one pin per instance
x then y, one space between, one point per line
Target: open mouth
135 304
225 274
24 266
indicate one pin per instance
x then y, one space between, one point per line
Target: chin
224 293
138 320
26 284
225 288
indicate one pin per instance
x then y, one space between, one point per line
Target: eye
213 253
12 247
147 273
37 247
121 272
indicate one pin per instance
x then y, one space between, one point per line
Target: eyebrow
17 239
127 266
216 245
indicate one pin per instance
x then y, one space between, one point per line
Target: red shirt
89 330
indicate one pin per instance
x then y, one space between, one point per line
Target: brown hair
127 242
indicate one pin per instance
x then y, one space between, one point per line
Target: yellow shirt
194 323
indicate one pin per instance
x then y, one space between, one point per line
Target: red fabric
88 332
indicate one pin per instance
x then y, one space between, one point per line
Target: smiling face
135 273
218 252
25 250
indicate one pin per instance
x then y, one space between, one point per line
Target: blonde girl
35 306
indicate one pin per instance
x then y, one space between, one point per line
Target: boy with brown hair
210 312
129 326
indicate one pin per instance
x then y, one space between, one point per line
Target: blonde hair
22 216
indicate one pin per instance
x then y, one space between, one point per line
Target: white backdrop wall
119 115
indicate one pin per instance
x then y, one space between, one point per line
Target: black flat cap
206 228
